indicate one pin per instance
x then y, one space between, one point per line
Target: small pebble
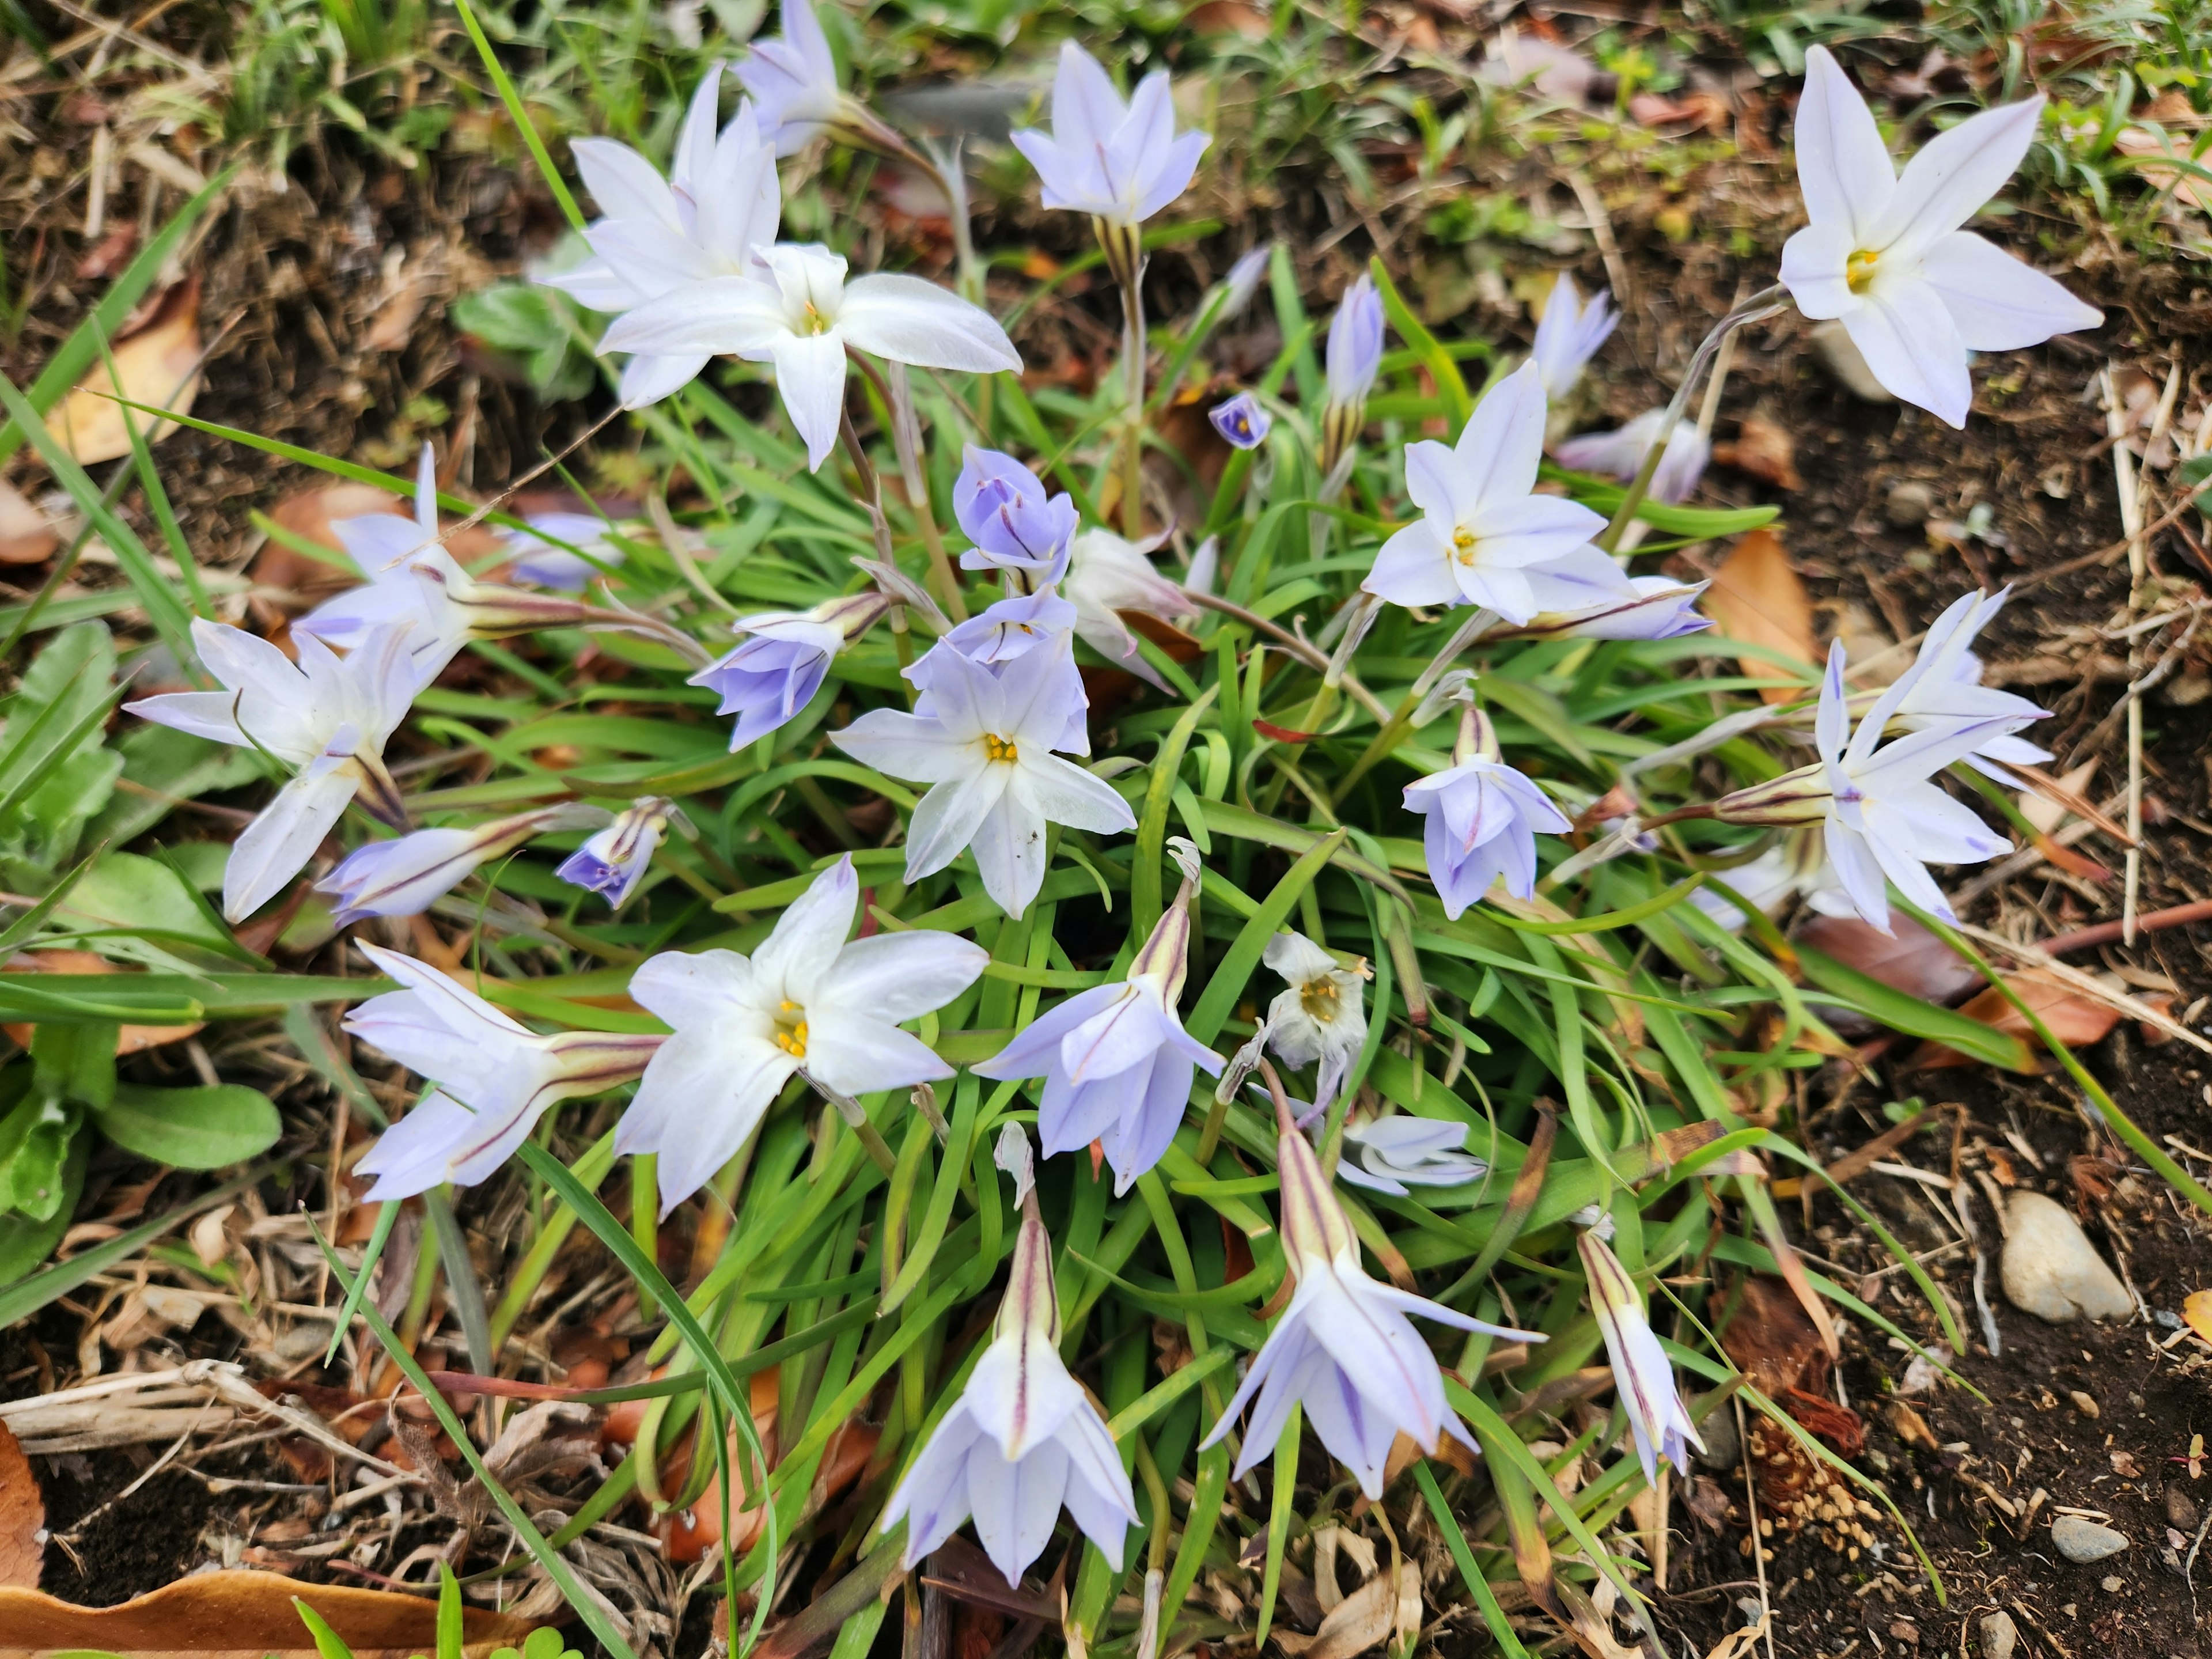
1723 1449
2114 1585
2051 1269
1909 504
2167 1319
2083 1403
1999 1636
2180 1510
2081 1541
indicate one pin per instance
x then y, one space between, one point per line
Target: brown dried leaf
1913 960
22 1517
131 1039
1773 1340
158 364
2074 1017
231 1612
26 538
1756 598
1764 449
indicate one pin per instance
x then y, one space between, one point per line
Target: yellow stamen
1319 998
790 1034
814 322
1859 270
1463 544
1000 748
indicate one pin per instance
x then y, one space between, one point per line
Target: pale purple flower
404 877
1014 522
1009 629
1241 420
327 716
794 80
1879 814
802 316
1944 685
1569 335
495 1078
1619 453
1643 1377
1484 537
1343 1349
1120 163
1484 818
1320 1017
410 580
986 746
1116 1061
1022 1440
538 559
613 861
718 207
806 1003
1392 1154
1355 344
1621 608
774 671
1885 256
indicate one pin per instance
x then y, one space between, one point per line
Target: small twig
1751 1508
2132 521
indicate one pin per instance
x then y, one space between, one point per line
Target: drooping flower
495 1078
1022 1440
1243 281
404 877
1343 1348
1644 608
1391 1154
775 670
986 748
1354 357
1568 336
806 1002
1011 629
802 318
1119 163
536 559
718 205
1944 685
1483 819
1619 453
1241 420
1878 813
1014 522
1108 575
1484 537
1115 1059
1320 1018
326 715
1885 255
1642 1379
613 861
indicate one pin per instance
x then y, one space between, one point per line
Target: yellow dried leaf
158 364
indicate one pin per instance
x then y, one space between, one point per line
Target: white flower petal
280 840
1997 303
911 321
1498 453
624 182
949 817
809 376
1844 170
716 315
697 989
1905 332
1814 265
901 976
1066 794
1955 173
1009 848
1015 1504
795 957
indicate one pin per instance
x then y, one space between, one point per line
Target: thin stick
2131 522
1751 1508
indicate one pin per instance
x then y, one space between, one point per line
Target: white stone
2053 1272
2082 1540
1999 1636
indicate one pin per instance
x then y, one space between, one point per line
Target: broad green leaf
197 1128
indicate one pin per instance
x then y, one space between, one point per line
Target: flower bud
1803 796
613 861
404 877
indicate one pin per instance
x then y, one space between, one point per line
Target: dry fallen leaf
2046 813
1756 598
238 1612
2073 1017
2196 1308
157 364
1913 960
26 538
1764 449
22 1517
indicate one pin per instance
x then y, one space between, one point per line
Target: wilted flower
391 552
1354 357
404 877
613 861
1022 1440
1620 453
1642 1377
1639 608
986 746
1568 336
803 318
1108 575
1391 1154
1115 1059
1011 629
1483 819
496 1076
1343 1348
1119 163
1007 512
720 204
1878 813
1484 537
1885 256
806 1002
1321 1018
329 717
1241 420
536 558
774 671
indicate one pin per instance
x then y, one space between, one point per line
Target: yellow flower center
1859 270
1318 998
813 322
790 1034
1000 748
1463 544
